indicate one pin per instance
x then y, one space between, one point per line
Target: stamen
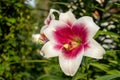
40 41
72 44
66 46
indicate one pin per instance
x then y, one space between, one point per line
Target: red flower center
71 39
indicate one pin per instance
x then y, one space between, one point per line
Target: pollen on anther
66 46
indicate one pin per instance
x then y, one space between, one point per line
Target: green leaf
108 77
113 72
2 78
19 4
118 4
80 76
112 53
113 61
11 20
103 67
112 34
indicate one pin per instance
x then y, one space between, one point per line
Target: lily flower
70 39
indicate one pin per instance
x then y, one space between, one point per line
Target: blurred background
19 53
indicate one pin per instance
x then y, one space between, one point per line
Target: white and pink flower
70 39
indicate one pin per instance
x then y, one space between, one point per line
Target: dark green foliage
16 45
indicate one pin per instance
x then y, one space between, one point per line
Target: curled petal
67 17
70 65
95 50
50 16
91 27
49 50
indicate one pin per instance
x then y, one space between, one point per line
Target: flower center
72 44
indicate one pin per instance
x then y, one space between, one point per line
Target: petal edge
95 50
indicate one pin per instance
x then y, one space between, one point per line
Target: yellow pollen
66 46
40 41
72 44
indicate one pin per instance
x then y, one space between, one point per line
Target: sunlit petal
95 50
70 66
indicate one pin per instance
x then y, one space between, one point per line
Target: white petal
35 37
48 50
67 17
89 24
43 28
52 27
95 50
70 66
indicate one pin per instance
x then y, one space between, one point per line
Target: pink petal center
71 39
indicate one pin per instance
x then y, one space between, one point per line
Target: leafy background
19 54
